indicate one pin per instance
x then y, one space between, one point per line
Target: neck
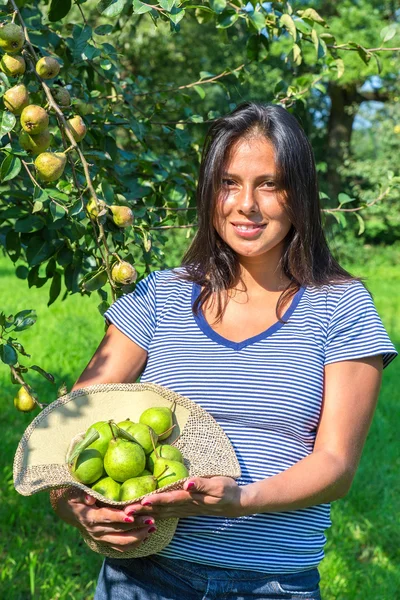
262 273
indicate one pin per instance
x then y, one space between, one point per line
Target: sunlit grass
41 557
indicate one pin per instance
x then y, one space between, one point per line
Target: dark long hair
306 259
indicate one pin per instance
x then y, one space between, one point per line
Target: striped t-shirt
266 394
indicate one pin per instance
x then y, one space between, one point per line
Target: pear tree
97 164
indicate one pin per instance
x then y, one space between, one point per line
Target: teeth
247 227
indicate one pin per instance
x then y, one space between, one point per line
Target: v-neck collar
219 339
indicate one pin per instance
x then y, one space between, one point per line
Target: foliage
144 132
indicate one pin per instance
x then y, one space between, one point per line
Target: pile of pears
35 136
124 461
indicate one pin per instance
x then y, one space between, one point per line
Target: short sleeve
356 330
135 313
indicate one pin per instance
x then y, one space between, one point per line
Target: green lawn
43 558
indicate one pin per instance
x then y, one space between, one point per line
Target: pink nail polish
131 513
190 485
149 522
152 530
146 504
128 520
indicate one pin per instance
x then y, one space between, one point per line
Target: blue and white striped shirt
266 394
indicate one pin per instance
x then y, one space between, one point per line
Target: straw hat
40 459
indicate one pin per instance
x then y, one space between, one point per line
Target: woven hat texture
40 459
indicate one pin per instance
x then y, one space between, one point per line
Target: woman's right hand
104 524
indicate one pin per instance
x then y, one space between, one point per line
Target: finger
139 523
124 539
200 484
89 500
175 497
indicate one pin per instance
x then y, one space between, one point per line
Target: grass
43 558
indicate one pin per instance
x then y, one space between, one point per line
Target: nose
247 202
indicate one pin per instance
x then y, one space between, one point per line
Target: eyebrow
264 176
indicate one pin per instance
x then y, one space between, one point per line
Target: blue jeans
159 578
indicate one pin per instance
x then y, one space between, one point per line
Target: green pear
137 486
163 451
107 487
78 128
160 419
106 433
12 65
145 472
88 466
122 215
168 471
123 273
34 119
23 401
35 144
11 38
47 67
61 96
124 460
50 165
143 434
16 99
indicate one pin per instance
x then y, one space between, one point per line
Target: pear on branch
96 210
78 128
62 97
122 215
48 67
35 144
11 38
23 401
34 119
123 273
13 65
16 99
50 165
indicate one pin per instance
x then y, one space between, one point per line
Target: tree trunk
344 106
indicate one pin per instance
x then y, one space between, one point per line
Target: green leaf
339 66
7 122
287 21
43 373
24 314
301 25
10 167
344 199
361 223
22 272
29 224
200 91
297 58
55 288
167 4
103 30
387 33
312 15
258 20
57 211
111 8
25 323
176 15
59 9
218 5
139 8
227 19
8 354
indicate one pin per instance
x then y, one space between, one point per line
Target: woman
264 329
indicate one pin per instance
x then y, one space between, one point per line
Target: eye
270 184
228 182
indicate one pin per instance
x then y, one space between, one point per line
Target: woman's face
249 217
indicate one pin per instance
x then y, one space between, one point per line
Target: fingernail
190 485
146 504
131 513
87 498
149 522
128 520
152 530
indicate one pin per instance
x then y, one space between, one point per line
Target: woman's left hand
219 496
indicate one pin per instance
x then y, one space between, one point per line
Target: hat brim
40 459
